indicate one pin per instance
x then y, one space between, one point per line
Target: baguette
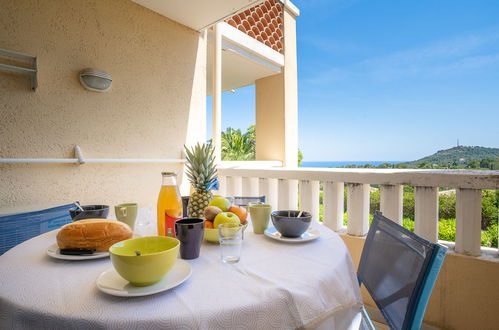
98 234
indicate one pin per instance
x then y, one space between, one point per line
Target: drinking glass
145 217
231 239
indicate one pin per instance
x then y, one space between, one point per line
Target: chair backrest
399 269
19 227
243 201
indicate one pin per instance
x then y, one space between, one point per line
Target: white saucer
112 283
309 235
54 252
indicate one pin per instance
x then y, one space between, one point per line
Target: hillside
461 154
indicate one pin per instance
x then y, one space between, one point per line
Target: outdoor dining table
275 285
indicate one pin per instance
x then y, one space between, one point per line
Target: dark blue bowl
89 212
287 223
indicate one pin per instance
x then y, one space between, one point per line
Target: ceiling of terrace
244 59
197 14
237 71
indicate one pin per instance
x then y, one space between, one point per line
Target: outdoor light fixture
95 80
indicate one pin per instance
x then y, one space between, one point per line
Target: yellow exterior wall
465 295
155 105
270 122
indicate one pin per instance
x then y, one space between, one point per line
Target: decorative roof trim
290 7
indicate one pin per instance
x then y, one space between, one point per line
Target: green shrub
408 206
374 204
489 236
408 189
490 206
447 230
447 206
408 224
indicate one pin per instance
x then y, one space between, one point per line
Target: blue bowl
90 212
288 224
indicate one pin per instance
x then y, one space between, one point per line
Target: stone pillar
277 105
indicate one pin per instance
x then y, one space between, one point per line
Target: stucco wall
155 105
465 295
270 118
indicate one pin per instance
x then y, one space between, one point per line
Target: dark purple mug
189 232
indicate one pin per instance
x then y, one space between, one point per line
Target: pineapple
201 173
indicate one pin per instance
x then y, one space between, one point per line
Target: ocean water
345 163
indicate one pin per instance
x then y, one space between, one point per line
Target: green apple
225 217
220 202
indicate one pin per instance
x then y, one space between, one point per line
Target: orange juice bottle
169 205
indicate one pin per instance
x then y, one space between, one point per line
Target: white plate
112 283
54 252
309 235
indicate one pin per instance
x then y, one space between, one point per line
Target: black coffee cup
189 232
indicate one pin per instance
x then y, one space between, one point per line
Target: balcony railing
281 186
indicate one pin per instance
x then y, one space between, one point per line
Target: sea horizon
341 163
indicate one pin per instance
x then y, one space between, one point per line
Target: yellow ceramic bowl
211 235
157 256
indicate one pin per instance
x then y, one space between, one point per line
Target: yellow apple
225 217
220 202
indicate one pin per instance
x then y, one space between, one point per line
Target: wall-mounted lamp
95 80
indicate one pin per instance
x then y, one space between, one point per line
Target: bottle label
170 225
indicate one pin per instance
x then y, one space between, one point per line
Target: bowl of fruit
220 210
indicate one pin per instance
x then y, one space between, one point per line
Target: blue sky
390 80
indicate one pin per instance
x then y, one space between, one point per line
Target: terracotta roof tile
263 23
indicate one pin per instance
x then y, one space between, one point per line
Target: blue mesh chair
399 269
19 227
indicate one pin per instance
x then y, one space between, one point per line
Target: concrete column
391 199
268 188
277 105
426 212
288 194
333 201
233 186
216 93
468 221
222 183
250 187
358 209
309 198
196 126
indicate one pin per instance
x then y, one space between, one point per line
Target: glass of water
231 238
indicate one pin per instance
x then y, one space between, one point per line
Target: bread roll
98 234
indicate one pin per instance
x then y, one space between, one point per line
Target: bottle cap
168 174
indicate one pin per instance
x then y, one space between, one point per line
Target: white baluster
288 194
468 221
426 212
233 186
309 197
222 184
268 188
249 187
333 201
391 199
358 208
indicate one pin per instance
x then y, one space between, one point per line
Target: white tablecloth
275 285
